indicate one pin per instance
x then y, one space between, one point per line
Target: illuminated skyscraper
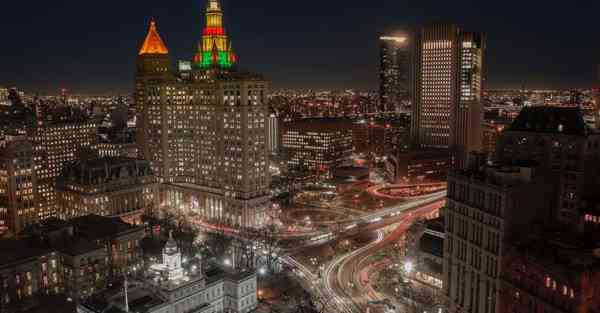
393 72
18 185
447 90
214 49
204 132
153 66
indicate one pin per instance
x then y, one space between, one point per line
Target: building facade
559 140
75 258
115 187
316 145
205 131
447 90
55 145
18 185
174 286
484 210
273 133
394 72
418 166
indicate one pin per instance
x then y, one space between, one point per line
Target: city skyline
291 36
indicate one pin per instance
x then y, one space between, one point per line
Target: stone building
178 286
115 187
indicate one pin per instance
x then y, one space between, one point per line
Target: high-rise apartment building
18 185
447 90
394 72
205 132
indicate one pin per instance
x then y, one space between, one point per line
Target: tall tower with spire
214 50
153 66
204 129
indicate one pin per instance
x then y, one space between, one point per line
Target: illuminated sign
185 66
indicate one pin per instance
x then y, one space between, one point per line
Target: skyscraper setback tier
447 90
204 132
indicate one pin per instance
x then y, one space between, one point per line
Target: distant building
316 144
418 166
117 144
4 97
115 187
74 258
18 185
179 287
447 90
491 134
273 133
394 72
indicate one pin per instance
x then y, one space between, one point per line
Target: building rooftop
103 170
321 124
96 227
557 120
22 249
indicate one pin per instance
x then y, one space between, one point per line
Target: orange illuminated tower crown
215 48
153 44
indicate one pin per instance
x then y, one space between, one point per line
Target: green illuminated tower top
215 48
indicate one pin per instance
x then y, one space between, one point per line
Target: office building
176 286
153 67
447 90
316 144
394 72
485 209
418 166
561 142
57 143
115 187
18 185
205 133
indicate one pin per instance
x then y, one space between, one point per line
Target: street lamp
262 271
408 267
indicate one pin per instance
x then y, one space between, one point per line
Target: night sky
90 46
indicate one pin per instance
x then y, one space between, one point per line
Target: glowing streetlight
262 271
409 267
227 262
